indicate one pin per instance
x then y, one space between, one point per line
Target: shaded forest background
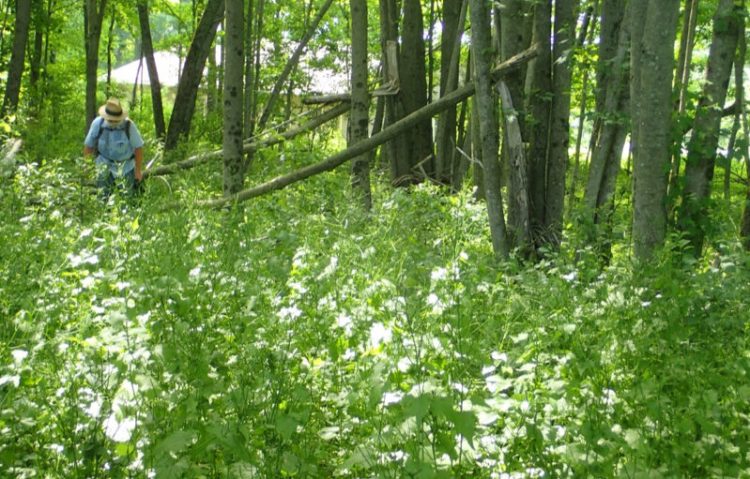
560 123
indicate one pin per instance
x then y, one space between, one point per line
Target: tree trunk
515 35
701 157
682 80
17 58
454 17
192 73
562 54
396 150
359 118
153 74
539 107
481 41
653 60
519 231
234 55
93 18
611 99
414 87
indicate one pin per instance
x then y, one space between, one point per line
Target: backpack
102 127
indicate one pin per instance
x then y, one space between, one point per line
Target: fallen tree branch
388 133
198 159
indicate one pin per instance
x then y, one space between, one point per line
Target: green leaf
175 442
286 425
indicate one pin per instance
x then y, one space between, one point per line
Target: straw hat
112 111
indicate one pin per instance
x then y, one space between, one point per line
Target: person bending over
117 144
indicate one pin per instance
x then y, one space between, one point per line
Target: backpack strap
102 128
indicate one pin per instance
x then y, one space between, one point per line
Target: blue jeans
106 182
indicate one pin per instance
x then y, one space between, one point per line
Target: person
118 146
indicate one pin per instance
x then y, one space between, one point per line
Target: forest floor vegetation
295 337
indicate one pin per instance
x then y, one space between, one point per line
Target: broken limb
200 158
388 133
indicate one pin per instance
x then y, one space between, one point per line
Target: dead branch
200 158
388 133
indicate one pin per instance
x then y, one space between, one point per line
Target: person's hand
138 175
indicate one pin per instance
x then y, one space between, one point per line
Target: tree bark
652 58
234 55
454 17
519 232
701 157
397 151
192 73
93 19
539 107
17 57
562 54
481 41
515 34
612 93
414 86
153 74
359 118
682 80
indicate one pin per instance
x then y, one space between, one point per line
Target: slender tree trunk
37 53
153 74
652 56
612 92
192 73
682 79
17 58
515 36
519 232
454 16
397 151
414 86
481 41
539 108
234 173
562 54
739 78
93 16
359 118
699 168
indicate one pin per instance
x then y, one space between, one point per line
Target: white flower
392 398
434 302
379 334
19 355
290 313
439 274
195 272
570 277
119 431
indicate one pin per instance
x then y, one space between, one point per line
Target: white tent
167 65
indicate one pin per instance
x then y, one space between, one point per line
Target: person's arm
87 152
139 163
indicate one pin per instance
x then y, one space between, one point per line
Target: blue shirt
114 149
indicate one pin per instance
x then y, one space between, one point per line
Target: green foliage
291 337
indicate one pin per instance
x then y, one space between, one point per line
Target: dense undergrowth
293 337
